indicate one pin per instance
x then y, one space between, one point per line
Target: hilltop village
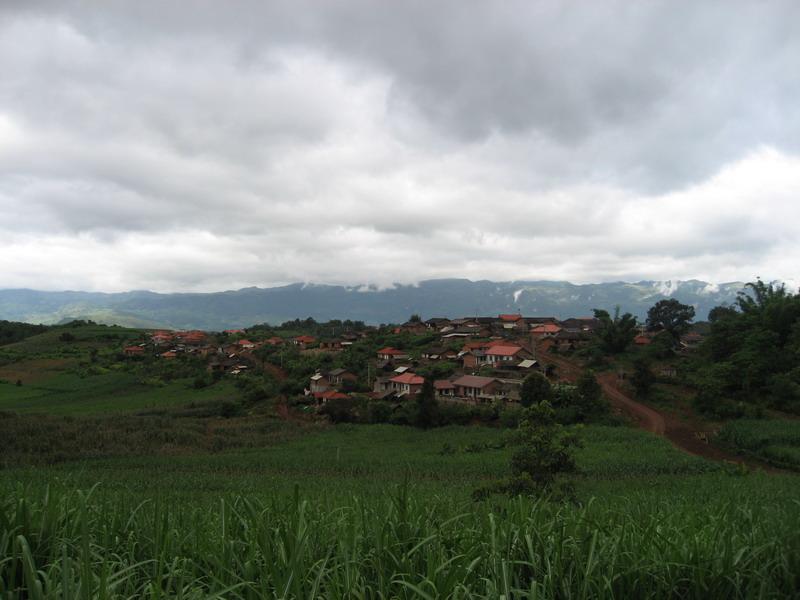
472 359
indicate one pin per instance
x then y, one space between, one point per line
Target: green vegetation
751 358
544 452
671 316
133 476
106 392
776 441
535 389
377 511
614 334
11 332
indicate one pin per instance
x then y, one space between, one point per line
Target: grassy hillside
112 392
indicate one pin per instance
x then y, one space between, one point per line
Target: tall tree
670 316
535 388
615 334
589 396
642 379
427 406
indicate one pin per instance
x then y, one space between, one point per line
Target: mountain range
433 298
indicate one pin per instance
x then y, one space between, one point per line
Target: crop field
776 441
68 393
385 512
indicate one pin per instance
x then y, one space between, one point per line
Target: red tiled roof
408 378
331 395
245 343
305 339
443 384
493 343
546 328
503 350
474 381
510 318
391 351
475 345
133 349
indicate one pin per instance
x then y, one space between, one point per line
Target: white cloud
197 152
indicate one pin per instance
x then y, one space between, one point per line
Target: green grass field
776 441
118 480
111 392
382 512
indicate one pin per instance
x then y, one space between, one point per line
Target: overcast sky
207 145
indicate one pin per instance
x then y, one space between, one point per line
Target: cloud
145 145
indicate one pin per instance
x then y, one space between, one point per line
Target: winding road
691 438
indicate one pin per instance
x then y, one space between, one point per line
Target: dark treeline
11 331
751 355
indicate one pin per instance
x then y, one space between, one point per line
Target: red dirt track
689 437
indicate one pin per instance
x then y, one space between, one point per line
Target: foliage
752 353
590 403
11 332
671 316
427 406
776 441
535 388
545 451
642 378
352 511
614 334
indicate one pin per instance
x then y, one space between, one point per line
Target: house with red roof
545 330
390 353
169 355
161 337
444 388
246 344
406 384
133 351
473 359
511 321
192 338
503 354
476 388
323 397
304 341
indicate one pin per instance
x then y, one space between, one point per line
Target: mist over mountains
439 297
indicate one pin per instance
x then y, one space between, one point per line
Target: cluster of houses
488 356
230 357
492 354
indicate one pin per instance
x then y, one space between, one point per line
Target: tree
415 318
642 379
671 316
427 406
535 388
545 451
590 396
614 335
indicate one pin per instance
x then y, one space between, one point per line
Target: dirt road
689 437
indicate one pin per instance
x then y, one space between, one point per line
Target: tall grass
62 544
775 440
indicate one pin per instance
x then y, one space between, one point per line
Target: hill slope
439 297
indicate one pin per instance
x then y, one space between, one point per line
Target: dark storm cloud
260 142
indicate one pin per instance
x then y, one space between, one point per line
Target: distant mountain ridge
437 297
